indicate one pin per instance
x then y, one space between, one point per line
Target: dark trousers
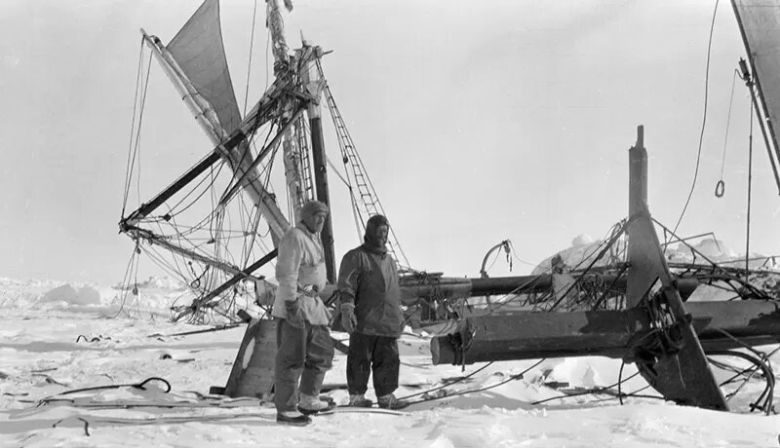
303 354
369 353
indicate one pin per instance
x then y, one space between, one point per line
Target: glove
294 313
348 319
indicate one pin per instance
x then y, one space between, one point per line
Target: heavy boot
390 402
359 401
311 404
292 418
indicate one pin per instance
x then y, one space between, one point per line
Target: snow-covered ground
58 337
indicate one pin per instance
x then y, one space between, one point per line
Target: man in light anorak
304 347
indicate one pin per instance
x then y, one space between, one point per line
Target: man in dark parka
370 305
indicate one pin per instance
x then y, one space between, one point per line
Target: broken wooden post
670 356
666 339
252 374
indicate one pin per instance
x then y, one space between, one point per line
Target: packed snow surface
57 338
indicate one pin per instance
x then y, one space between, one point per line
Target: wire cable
704 118
457 380
251 50
130 151
514 377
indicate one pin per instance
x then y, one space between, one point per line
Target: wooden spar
279 46
248 126
532 335
181 182
678 369
641 266
291 150
321 182
155 239
290 147
292 157
232 147
246 273
202 112
241 182
321 171
413 288
283 67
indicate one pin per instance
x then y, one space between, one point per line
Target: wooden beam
246 273
531 335
414 287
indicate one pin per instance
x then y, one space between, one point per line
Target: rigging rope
617 232
141 385
704 118
604 389
513 251
132 263
749 194
208 220
760 361
450 383
134 147
249 63
720 187
213 223
130 152
351 156
206 186
426 397
353 199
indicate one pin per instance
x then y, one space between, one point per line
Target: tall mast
319 159
290 150
293 171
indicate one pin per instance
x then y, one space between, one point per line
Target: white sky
478 122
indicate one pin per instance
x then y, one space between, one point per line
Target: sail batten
198 50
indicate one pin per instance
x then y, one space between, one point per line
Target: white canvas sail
200 54
759 22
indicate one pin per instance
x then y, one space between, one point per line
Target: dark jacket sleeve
349 277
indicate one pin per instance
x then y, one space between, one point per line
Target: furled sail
759 22
199 52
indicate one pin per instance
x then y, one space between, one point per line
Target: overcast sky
478 121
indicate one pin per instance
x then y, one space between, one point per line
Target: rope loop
720 188
143 383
